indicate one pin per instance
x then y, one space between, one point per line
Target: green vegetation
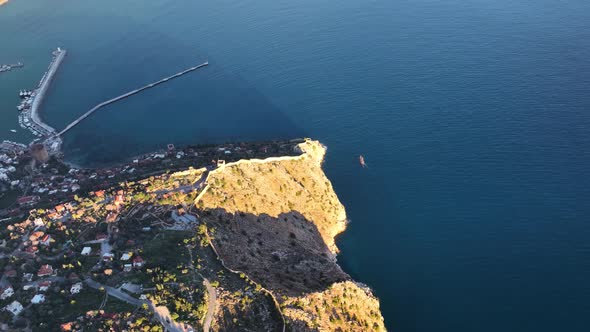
186 301
166 250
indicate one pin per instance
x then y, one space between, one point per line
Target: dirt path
212 302
211 305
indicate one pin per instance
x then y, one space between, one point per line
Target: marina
32 100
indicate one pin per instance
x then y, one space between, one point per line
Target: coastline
3 2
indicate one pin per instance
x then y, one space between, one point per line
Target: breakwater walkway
126 95
58 56
29 117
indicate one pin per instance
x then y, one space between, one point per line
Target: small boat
362 161
13 130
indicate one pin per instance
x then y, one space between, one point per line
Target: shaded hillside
275 220
277 186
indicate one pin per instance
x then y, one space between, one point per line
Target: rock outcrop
275 220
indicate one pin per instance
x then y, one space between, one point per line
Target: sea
473 117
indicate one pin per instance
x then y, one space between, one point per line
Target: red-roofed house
53 215
66 326
108 257
112 217
44 286
99 193
32 250
45 240
101 236
60 208
10 273
36 235
119 199
45 270
27 200
137 261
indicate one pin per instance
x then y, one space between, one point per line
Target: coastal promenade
128 94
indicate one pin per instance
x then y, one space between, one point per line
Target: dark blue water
472 115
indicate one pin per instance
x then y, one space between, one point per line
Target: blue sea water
472 115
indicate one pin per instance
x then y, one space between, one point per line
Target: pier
126 95
29 117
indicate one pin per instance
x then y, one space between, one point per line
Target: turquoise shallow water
472 115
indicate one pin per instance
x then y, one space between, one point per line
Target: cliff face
275 220
278 186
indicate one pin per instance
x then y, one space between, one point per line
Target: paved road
161 313
114 292
188 188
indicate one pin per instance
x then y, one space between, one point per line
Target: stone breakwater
29 118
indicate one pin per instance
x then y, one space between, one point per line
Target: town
104 242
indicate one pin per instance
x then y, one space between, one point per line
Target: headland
216 238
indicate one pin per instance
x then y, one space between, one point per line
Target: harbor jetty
29 117
29 108
128 94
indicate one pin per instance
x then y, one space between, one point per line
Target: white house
127 267
15 308
6 292
38 298
86 251
137 261
184 218
76 288
126 256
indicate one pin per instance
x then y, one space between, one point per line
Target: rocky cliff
275 220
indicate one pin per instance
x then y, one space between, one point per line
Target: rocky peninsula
235 243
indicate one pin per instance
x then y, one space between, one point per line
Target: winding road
161 313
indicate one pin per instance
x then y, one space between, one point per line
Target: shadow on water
218 109
211 105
